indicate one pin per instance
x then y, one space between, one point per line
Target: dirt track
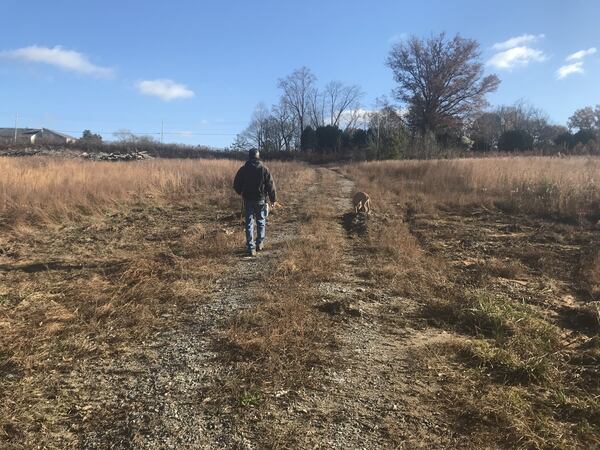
162 395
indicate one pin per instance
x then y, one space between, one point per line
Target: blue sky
201 67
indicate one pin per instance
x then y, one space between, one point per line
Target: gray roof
66 136
10 132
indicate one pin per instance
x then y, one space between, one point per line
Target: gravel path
160 395
375 397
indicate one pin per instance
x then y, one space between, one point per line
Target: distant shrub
515 140
329 138
308 140
565 140
584 136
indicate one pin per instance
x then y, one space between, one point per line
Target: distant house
34 136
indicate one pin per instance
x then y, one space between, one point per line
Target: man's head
253 153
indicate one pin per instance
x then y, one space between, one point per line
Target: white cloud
516 57
164 89
518 41
59 57
581 54
568 69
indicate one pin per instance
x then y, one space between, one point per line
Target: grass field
463 313
504 253
562 188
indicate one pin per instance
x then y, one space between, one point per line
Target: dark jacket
254 182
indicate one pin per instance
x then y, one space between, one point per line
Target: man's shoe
260 247
252 252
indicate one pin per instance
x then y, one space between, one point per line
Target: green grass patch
516 344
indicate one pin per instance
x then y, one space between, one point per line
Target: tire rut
376 396
159 394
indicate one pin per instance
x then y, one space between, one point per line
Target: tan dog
361 201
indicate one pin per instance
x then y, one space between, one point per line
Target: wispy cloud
518 41
566 70
576 66
164 89
516 52
516 57
60 57
581 54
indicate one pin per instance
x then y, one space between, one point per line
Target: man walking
254 183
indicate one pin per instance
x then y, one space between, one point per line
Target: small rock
353 311
333 307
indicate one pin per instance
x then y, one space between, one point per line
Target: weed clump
516 344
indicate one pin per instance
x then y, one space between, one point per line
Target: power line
39 118
153 133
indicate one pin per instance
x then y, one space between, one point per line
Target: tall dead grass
159 253
566 188
50 190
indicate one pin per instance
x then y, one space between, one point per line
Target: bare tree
256 133
124 135
316 109
297 90
549 134
270 130
441 80
387 130
585 119
342 100
487 127
351 118
524 117
240 143
485 130
286 127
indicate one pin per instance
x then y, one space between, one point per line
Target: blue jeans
256 211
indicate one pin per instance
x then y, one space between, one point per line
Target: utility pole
378 125
162 130
16 120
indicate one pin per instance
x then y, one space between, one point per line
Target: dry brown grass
522 382
590 274
151 234
50 190
274 345
568 188
95 257
276 342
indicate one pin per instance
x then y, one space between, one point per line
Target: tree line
302 106
439 106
